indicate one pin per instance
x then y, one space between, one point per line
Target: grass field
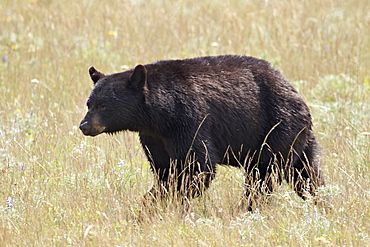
60 188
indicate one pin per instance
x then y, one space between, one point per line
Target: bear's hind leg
303 173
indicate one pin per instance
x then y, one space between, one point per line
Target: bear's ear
138 77
95 75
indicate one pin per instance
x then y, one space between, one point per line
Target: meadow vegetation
60 188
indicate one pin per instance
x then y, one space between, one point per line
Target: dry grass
65 189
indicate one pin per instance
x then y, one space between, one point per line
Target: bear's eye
102 107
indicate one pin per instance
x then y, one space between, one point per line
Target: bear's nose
85 127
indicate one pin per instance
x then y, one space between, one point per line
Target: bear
196 113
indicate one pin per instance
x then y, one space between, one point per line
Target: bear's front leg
195 172
160 164
180 171
260 182
185 179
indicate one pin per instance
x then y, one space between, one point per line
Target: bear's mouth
114 132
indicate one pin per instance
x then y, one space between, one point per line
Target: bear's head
115 101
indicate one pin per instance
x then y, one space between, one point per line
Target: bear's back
229 80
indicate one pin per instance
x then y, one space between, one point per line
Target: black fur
195 113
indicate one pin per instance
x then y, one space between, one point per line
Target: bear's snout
91 126
85 127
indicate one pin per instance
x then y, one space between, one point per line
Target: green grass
69 190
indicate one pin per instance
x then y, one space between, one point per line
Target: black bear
195 113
